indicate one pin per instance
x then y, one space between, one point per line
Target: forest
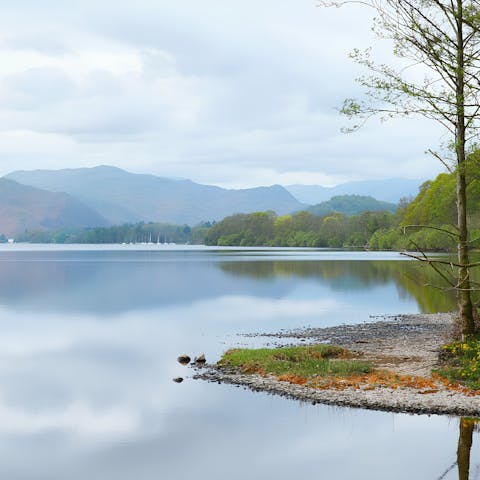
129 233
302 229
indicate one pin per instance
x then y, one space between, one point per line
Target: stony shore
405 344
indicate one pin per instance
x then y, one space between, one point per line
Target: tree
438 40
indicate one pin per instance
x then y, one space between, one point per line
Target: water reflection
114 282
89 348
465 439
411 278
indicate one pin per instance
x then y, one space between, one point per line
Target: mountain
27 208
391 190
123 197
351 205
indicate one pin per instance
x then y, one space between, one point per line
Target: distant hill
121 197
351 205
23 207
390 190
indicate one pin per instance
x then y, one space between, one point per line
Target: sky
236 93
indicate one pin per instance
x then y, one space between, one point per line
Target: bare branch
438 157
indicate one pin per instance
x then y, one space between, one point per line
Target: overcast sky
230 92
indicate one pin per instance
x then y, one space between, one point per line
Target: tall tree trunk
465 308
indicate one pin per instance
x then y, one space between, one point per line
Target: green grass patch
302 361
462 363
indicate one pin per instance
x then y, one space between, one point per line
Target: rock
200 359
184 359
178 380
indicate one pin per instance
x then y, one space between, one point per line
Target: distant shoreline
405 344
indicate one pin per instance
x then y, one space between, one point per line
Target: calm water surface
88 350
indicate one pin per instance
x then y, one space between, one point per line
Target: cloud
42 43
35 88
231 93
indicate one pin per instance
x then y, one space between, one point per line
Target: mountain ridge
118 196
387 190
123 197
23 207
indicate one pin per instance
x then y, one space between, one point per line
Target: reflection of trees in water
465 441
364 272
411 278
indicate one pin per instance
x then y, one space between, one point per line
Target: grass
462 363
296 363
326 367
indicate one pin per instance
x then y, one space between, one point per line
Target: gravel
405 344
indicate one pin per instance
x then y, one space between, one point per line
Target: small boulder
184 359
178 380
200 359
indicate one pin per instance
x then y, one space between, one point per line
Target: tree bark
464 299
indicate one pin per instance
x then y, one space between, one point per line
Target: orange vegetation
377 379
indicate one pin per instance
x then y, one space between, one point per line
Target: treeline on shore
372 230
302 229
129 233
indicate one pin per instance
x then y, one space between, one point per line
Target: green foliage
137 233
434 206
351 205
435 203
243 229
302 229
305 361
463 363
413 239
3 238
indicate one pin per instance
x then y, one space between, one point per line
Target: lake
90 336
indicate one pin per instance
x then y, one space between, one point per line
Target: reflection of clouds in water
235 308
256 436
104 398
76 418
15 345
142 331
83 375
